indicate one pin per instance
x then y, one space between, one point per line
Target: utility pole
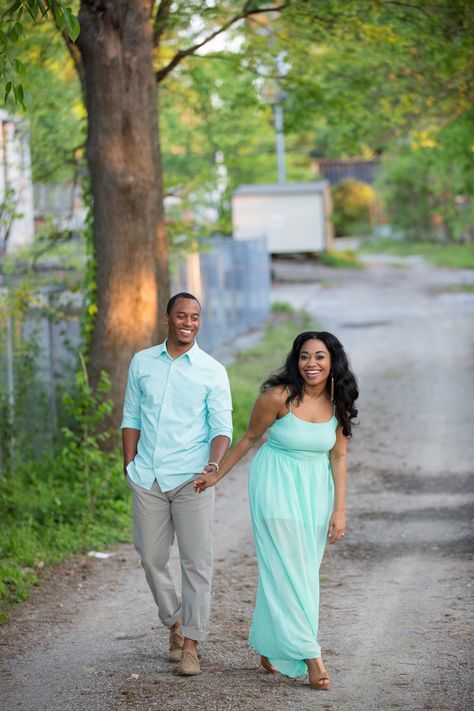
280 97
274 96
280 138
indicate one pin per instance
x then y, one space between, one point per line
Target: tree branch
160 21
75 54
246 12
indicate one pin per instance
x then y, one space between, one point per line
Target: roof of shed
315 186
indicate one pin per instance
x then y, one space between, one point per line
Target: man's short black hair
181 295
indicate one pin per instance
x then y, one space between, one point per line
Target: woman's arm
264 414
337 522
219 447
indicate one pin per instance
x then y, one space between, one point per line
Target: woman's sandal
319 680
321 683
267 666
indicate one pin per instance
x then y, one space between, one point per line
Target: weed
343 259
281 307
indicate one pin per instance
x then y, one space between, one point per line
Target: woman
297 488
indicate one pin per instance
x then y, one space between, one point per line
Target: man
177 423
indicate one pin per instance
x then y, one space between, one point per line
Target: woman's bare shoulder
276 395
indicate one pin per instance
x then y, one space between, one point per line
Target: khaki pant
157 516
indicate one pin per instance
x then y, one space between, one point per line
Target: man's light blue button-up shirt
179 406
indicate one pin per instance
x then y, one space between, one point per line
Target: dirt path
395 596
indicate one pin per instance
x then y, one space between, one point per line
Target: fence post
52 377
10 385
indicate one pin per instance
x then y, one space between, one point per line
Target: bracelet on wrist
214 464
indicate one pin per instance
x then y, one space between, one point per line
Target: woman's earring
332 388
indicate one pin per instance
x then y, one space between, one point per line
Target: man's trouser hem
193 633
171 620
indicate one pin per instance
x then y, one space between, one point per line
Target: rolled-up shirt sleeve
219 407
131 408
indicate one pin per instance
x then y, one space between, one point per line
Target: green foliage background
362 78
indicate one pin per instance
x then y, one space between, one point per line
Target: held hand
208 478
337 526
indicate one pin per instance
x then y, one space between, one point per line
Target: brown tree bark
116 46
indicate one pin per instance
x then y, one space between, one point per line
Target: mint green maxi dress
291 496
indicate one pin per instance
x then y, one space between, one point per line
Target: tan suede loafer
189 664
176 646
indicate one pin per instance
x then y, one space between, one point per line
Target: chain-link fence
231 279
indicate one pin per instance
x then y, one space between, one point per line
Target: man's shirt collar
192 354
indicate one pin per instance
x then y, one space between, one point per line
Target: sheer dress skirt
291 499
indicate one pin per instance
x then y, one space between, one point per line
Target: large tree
130 248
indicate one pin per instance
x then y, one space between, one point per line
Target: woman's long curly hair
346 391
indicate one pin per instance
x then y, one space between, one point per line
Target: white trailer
294 217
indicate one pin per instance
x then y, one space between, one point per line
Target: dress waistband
299 454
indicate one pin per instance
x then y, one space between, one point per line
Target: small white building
16 190
295 217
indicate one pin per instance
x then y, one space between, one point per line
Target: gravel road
395 598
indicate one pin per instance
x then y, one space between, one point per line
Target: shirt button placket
164 407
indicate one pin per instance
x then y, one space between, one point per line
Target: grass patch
399 265
45 519
253 366
281 307
393 374
454 256
461 288
343 259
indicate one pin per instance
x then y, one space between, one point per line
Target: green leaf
19 67
35 6
32 8
13 35
13 7
8 88
19 93
72 24
59 17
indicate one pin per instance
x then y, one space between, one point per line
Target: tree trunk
116 46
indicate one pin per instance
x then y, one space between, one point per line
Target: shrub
427 183
352 202
62 502
342 259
